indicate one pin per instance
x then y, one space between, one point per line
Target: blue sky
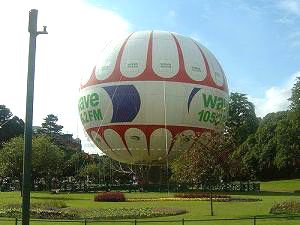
256 42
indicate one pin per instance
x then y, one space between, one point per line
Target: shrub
287 207
110 197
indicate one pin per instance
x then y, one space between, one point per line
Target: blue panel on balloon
126 102
194 91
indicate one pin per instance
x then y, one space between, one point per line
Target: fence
252 220
173 187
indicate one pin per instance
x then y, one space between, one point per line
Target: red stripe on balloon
147 130
149 75
208 79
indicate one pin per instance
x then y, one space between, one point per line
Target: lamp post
32 29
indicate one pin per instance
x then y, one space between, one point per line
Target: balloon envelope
150 94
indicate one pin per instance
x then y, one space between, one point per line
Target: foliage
295 98
47 159
66 142
10 126
11 159
207 161
274 150
286 207
91 171
110 197
242 120
50 126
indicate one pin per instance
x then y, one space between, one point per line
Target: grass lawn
281 185
274 191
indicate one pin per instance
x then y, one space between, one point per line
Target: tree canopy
242 120
295 98
207 161
10 126
50 126
47 159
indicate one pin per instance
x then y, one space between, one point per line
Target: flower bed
109 197
175 199
201 195
94 213
196 197
287 207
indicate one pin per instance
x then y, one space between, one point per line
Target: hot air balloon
149 94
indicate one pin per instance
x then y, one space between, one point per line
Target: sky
256 42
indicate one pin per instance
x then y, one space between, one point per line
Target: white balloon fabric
150 94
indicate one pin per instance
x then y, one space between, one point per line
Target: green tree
5 114
242 120
207 161
10 126
295 98
11 159
273 151
47 159
287 158
50 126
92 171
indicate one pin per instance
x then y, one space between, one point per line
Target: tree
10 126
50 126
64 141
5 114
295 98
73 163
287 158
274 150
207 161
242 120
11 159
91 171
47 159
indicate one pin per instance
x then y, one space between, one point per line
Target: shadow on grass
267 193
57 198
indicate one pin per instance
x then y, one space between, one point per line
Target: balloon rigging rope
166 137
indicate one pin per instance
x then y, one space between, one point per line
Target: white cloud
290 6
275 98
78 32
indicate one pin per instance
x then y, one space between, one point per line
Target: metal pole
211 201
32 29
